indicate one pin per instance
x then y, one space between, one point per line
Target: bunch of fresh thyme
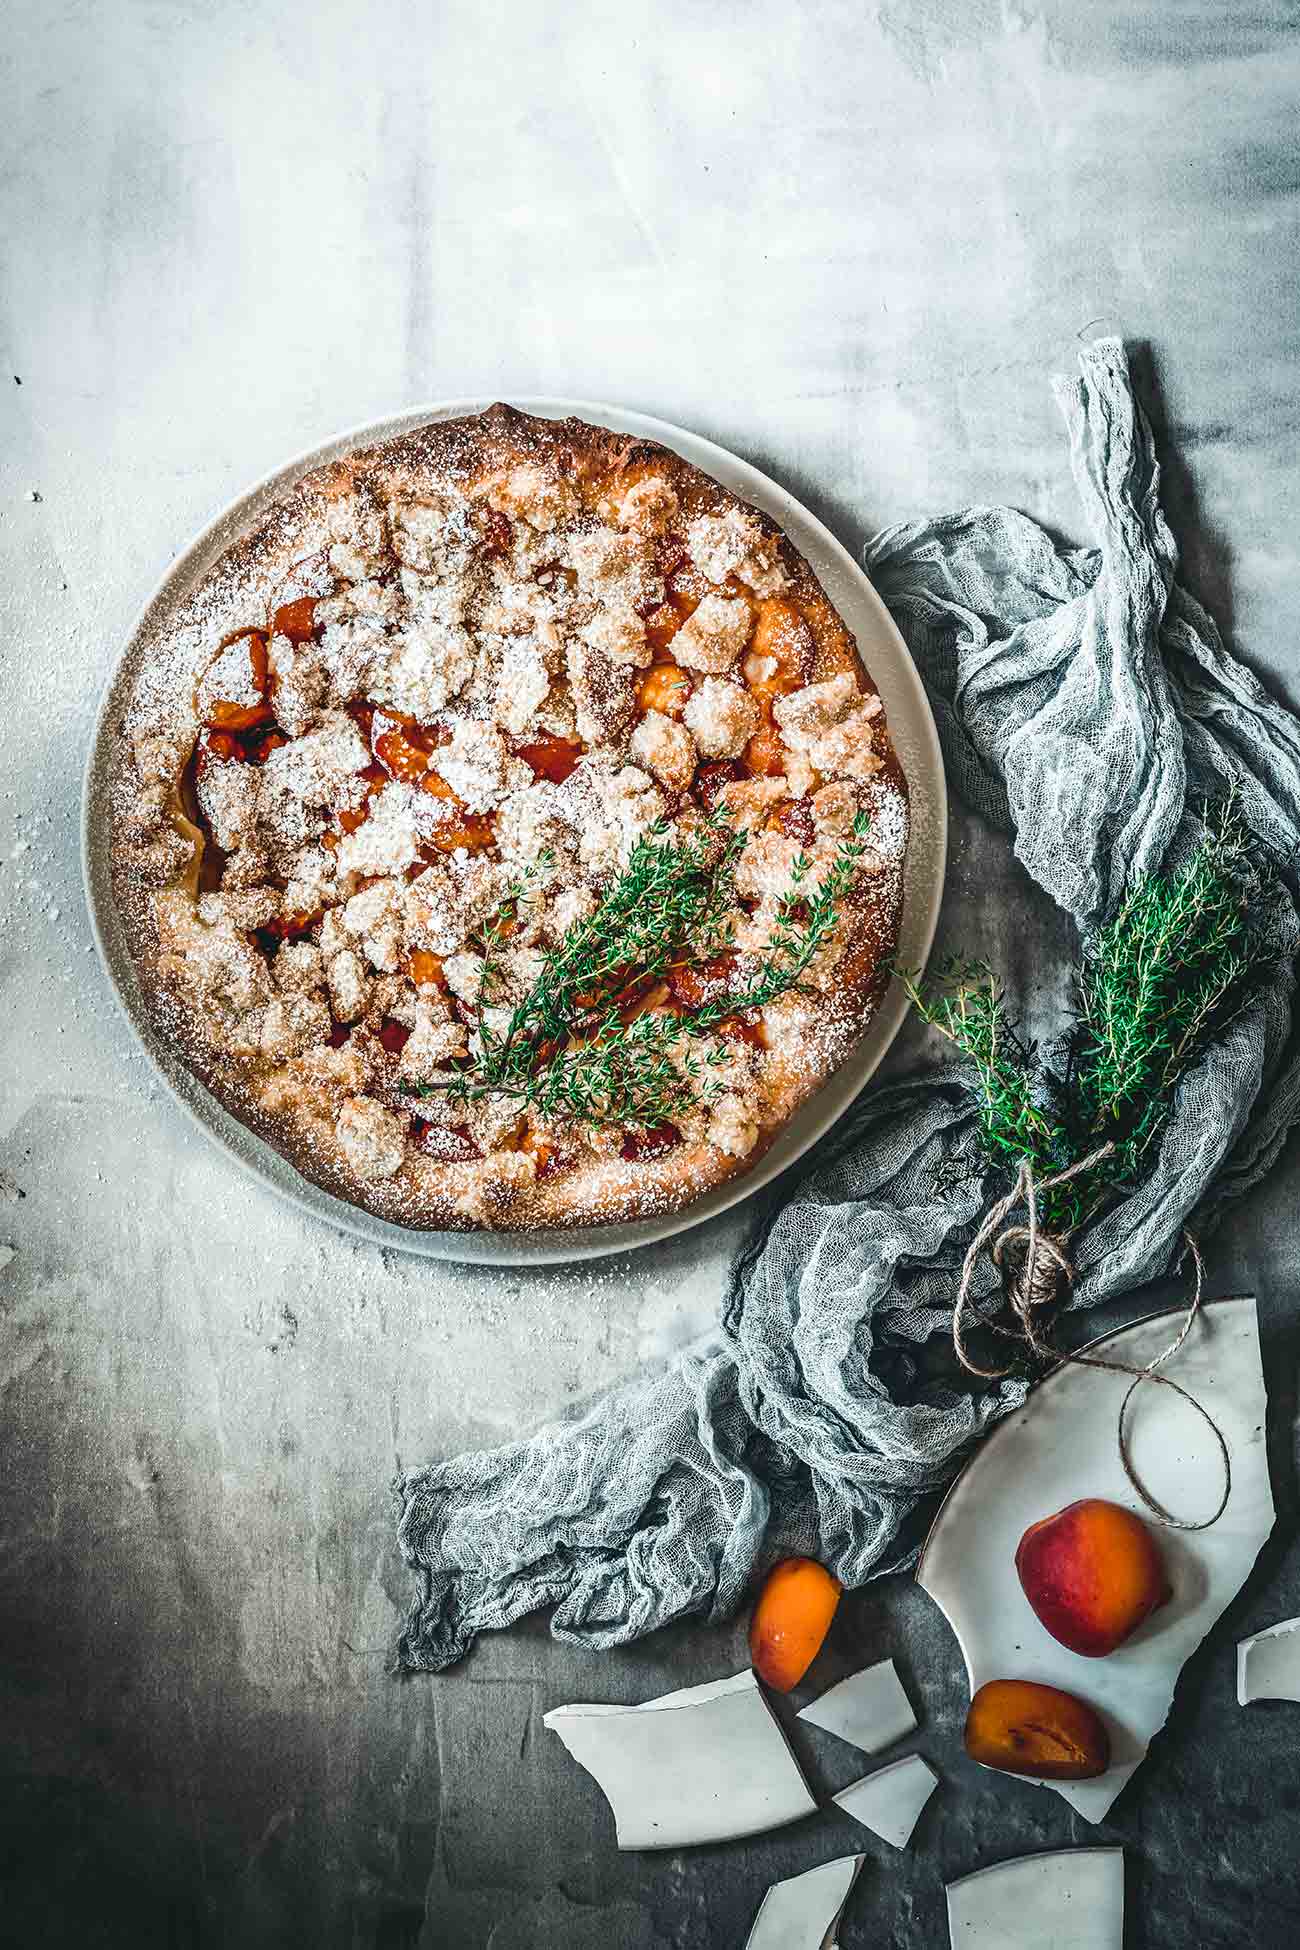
1156 986
573 1048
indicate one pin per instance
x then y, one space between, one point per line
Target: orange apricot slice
1021 1727
296 620
664 688
425 969
551 757
765 754
791 1620
781 654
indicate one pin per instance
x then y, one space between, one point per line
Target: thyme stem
1159 983
568 1050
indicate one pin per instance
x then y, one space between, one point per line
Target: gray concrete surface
849 242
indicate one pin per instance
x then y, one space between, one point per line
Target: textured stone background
849 242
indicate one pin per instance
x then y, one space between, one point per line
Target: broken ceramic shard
869 1709
1062 1445
804 1912
1071 1899
1268 1666
703 1764
889 1802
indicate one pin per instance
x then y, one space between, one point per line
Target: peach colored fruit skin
791 1620
1021 1727
1093 1573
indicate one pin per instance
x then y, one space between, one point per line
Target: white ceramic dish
1063 1445
911 725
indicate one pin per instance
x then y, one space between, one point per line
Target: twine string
1033 1284
1035 1265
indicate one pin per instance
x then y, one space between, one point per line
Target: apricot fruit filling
225 714
1093 1573
664 688
662 625
791 1620
712 776
544 1156
744 1029
402 745
471 831
401 755
765 754
654 1142
693 985
296 620
1020 1727
550 757
780 658
424 968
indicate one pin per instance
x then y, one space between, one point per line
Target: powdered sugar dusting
466 564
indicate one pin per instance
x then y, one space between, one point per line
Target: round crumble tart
412 739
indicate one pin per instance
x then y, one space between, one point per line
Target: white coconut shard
701 1765
1072 1899
889 1802
869 1709
1268 1666
804 1912
1061 1446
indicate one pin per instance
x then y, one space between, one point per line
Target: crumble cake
495 654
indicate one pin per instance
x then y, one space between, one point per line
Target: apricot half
781 653
791 1620
1092 1573
1020 1727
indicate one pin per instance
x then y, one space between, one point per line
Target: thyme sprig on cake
576 1044
1155 987
670 898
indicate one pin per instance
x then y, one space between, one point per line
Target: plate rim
259 1160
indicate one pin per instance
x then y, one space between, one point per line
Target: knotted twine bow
1035 1264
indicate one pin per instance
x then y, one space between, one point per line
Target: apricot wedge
791 1620
1093 1573
1020 1727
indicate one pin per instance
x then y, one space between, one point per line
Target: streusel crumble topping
400 748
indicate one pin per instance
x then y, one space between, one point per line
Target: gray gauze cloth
1086 703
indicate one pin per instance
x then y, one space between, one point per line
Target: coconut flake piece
803 1913
1070 1899
703 1764
1268 1666
1062 1445
889 1802
869 1709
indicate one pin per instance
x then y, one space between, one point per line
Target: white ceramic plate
1062 1445
910 722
